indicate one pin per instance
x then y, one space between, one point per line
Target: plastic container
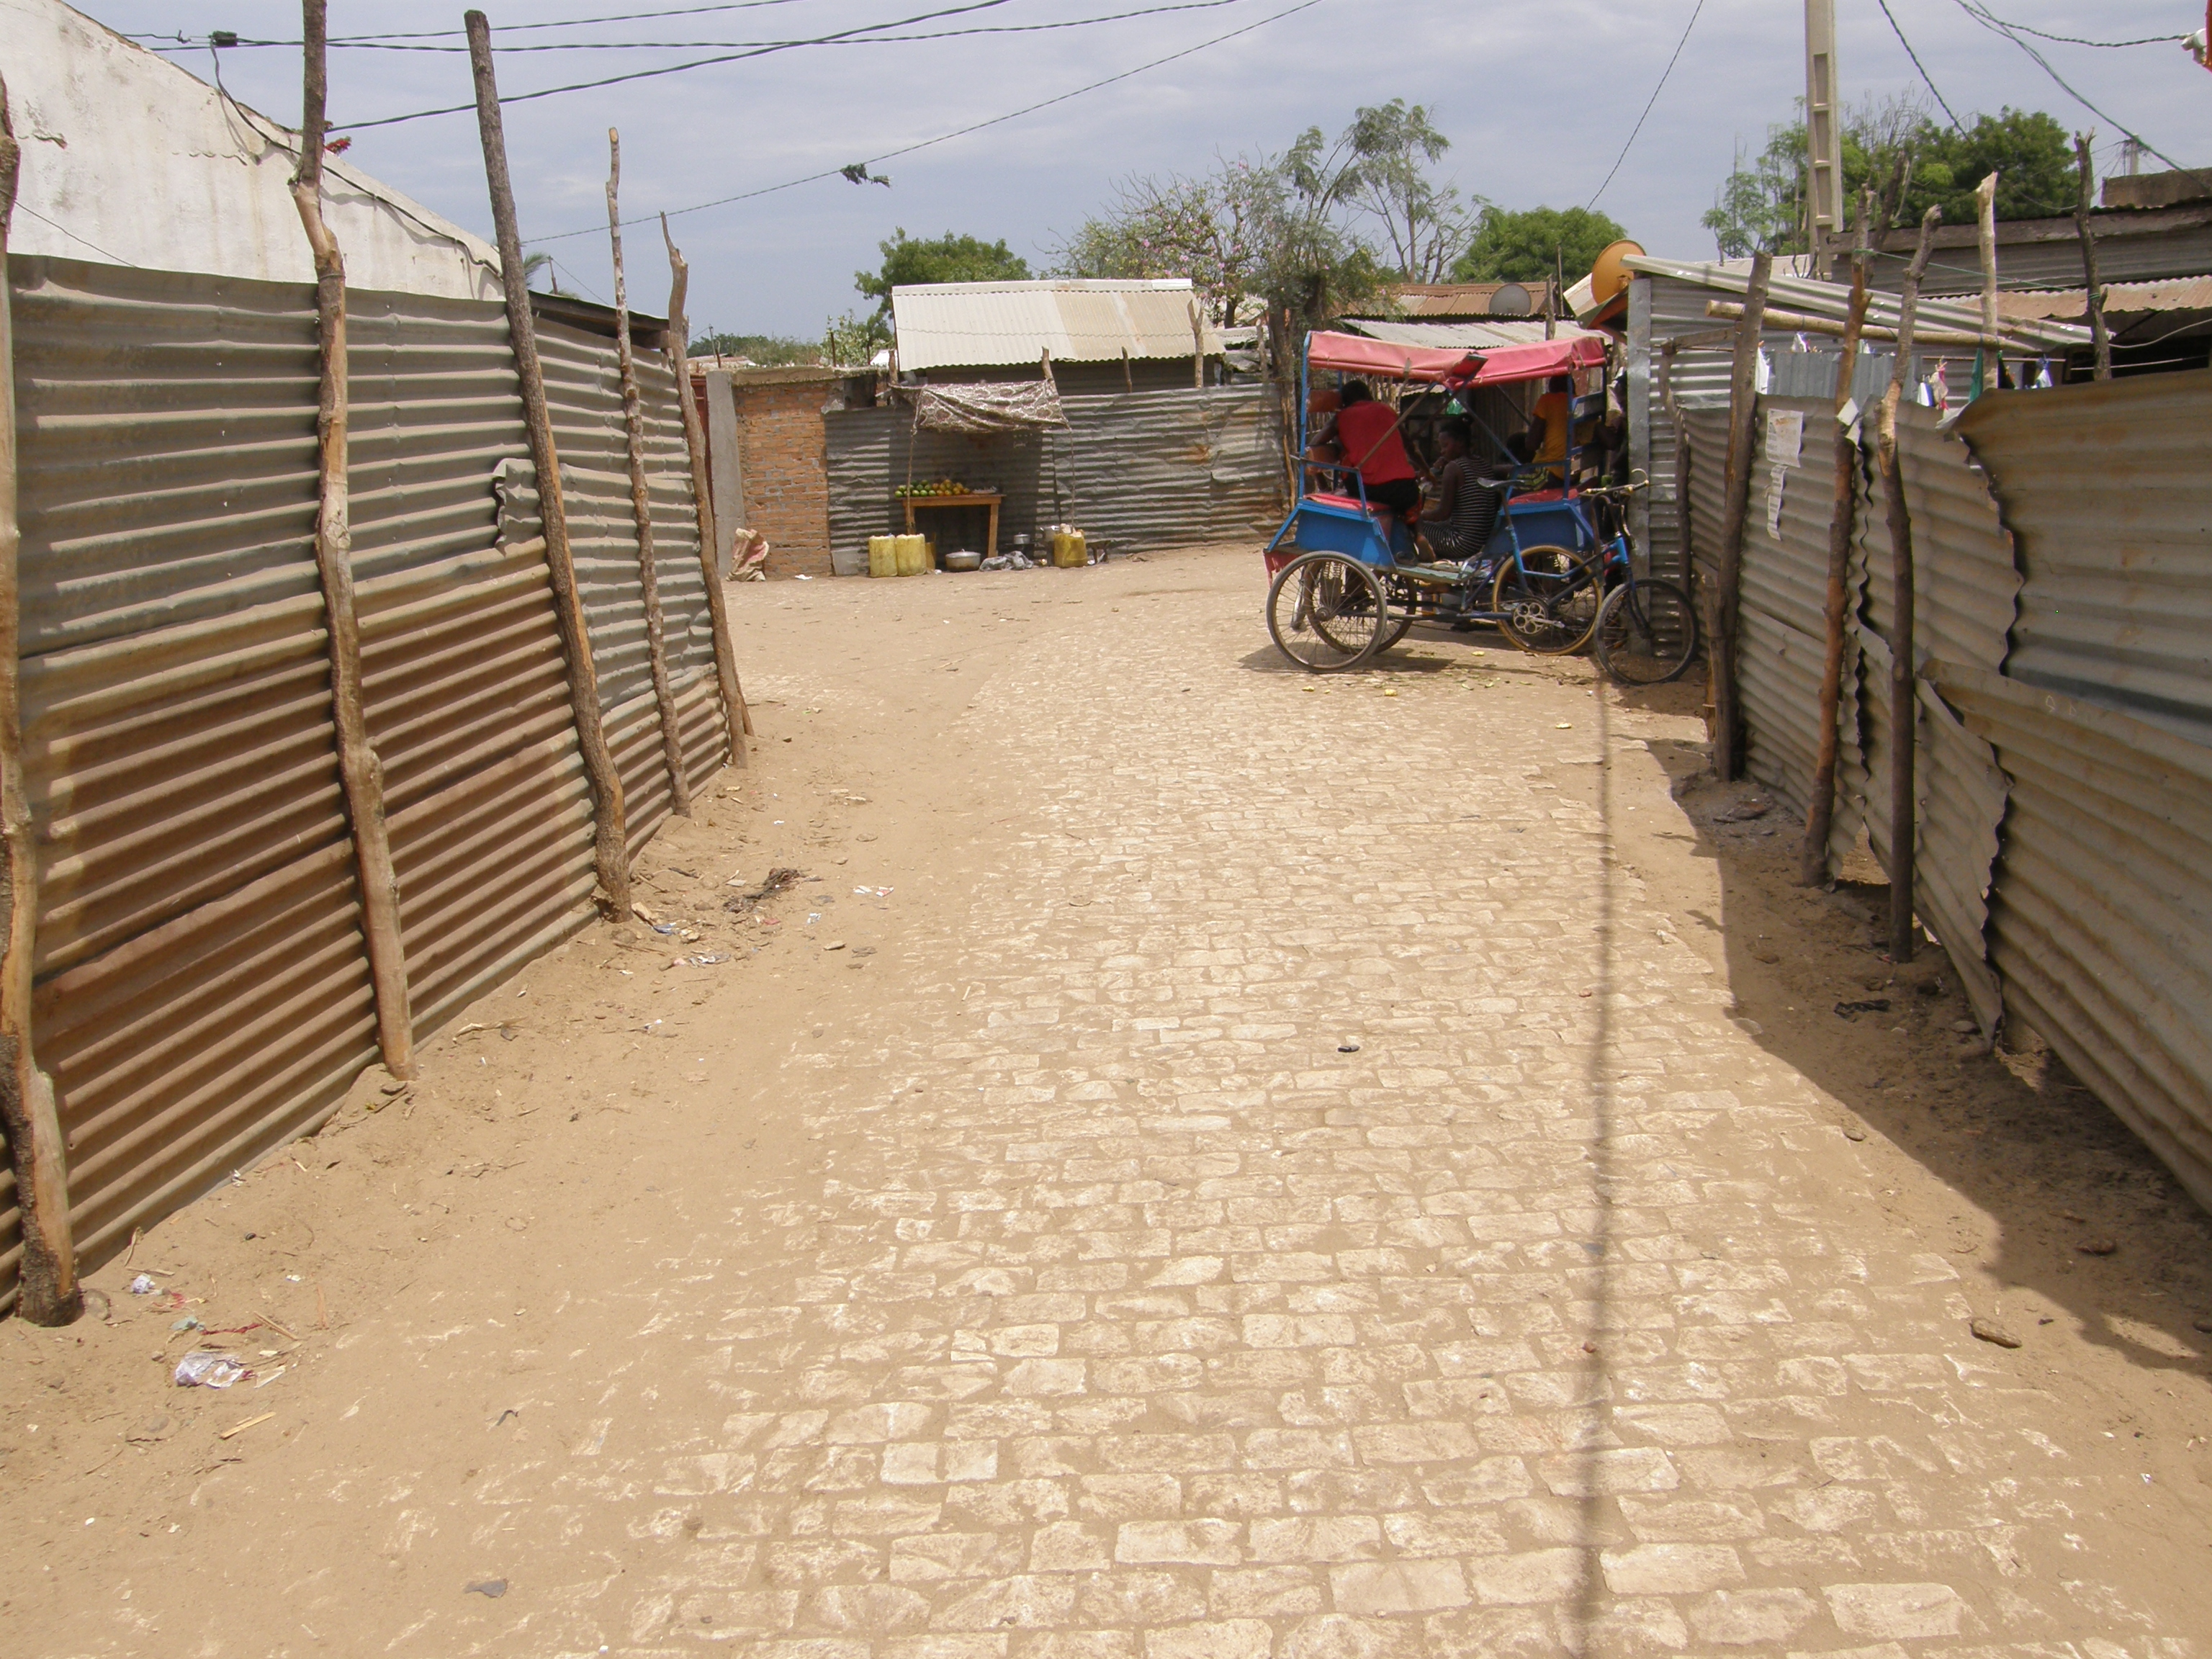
883 555
1068 551
912 554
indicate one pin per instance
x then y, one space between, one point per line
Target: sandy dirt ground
1202 1161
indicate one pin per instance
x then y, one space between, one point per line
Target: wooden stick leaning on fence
736 716
1819 815
2100 337
611 850
360 772
1903 816
640 499
1735 506
46 1291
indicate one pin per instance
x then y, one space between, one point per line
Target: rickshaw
1349 578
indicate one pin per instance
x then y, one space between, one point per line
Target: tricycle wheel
1326 613
1546 600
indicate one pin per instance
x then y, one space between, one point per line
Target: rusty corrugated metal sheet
202 992
2104 486
1134 470
583 387
2101 919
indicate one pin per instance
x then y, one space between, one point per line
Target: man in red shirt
1367 433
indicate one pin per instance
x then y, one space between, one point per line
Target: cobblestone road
1308 1199
1324 1212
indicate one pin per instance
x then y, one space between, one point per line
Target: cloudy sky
1537 99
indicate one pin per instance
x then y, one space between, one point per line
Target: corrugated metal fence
202 983
2062 580
1134 468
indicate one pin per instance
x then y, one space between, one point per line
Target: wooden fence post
360 772
1819 815
609 838
736 717
640 499
1735 506
46 1291
1903 815
2100 338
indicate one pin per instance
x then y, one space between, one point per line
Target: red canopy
1355 354
1536 360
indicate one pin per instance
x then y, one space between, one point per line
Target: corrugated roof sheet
1818 299
1460 337
2182 294
966 324
1436 301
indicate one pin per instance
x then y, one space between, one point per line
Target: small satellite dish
1609 276
1510 301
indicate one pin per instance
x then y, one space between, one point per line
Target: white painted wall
129 159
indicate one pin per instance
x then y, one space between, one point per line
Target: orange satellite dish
1609 276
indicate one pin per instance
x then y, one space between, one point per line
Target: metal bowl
963 561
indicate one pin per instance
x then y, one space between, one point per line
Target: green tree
1911 162
1523 247
946 258
1388 150
771 350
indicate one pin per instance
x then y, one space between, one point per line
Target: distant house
1098 336
130 160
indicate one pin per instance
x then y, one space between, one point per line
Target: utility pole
1824 136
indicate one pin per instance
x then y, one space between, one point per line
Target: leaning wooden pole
2100 337
1904 722
1735 506
1819 815
737 718
361 773
609 834
640 499
46 1292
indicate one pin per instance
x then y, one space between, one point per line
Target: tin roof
1833 299
1439 302
964 325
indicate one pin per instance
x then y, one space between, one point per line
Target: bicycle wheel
1326 613
1647 632
1548 600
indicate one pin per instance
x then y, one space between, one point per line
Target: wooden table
980 498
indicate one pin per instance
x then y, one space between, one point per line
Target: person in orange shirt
1367 433
1547 421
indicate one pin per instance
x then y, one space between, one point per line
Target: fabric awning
988 406
1536 360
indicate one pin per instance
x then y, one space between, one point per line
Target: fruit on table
937 487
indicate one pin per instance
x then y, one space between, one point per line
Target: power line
507 28
2076 41
677 69
1925 79
947 137
1649 102
1988 20
680 46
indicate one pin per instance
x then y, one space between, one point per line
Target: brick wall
781 450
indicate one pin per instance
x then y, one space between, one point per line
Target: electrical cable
689 45
509 28
675 68
1694 14
2076 41
944 137
1926 79
1989 21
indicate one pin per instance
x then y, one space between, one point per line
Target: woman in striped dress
1458 520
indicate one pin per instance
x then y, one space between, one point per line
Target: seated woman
1367 433
1458 520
